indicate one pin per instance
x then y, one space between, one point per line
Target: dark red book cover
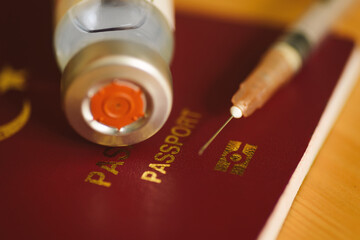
56 185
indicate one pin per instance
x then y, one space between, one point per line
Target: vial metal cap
128 66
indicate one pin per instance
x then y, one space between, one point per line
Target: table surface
327 205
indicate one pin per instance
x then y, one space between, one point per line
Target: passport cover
56 185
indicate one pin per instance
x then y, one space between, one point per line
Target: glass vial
116 86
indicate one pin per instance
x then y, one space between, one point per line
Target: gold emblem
232 156
11 79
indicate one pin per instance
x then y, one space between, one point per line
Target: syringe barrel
276 67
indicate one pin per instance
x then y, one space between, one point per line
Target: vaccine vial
114 55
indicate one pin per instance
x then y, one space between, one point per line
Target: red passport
56 185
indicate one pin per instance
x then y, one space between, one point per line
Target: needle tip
201 151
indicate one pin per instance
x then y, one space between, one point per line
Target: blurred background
328 203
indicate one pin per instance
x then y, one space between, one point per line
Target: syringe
283 59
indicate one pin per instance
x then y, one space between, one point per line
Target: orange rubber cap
117 105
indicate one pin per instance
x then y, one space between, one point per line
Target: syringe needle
201 151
